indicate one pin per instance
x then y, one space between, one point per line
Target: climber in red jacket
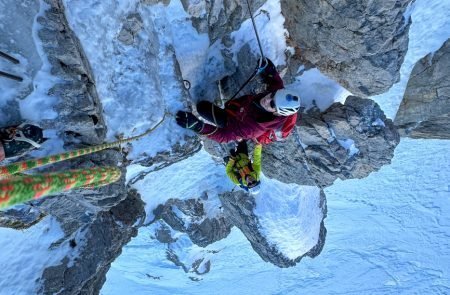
264 117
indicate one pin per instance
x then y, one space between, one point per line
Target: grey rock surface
179 246
96 222
189 216
360 44
132 25
346 141
99 239
218 17
79 107
239 206
21 218
425 108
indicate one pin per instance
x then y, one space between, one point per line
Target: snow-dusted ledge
283 225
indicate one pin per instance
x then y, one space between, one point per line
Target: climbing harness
16 189
14 61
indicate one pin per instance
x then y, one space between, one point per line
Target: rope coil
20 189
16 189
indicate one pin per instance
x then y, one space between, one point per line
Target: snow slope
26 253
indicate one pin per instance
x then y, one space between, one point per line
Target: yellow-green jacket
237 167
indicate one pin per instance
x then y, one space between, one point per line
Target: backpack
279 134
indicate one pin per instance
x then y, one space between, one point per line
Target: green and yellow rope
18 189
14 168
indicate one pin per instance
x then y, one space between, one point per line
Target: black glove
266 68
189 121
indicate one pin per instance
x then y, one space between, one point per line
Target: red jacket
248 120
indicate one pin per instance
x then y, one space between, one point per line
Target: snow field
26 253
290 216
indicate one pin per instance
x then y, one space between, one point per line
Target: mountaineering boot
17 140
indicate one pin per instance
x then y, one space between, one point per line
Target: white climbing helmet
287 102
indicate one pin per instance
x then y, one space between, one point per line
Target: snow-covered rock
140 53
96 223
282 229
182 251
346 141
218 17
360 44
97 242
78 105
425 108
190 216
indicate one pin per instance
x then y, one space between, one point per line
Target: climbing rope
261 60
245 84
14 168
16 189
19 189
256 31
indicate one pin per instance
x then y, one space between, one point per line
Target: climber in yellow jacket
242 171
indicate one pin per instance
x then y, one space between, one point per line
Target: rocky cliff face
98 236
98 222
346 141
180 224
79 107
218 18
360 44
425 108
190 216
